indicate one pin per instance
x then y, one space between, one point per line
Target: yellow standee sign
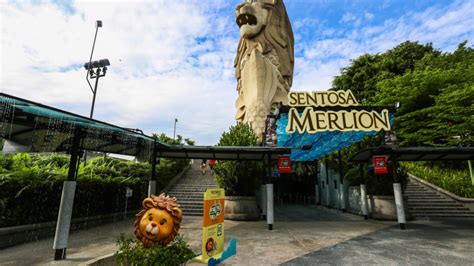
313 121
213 225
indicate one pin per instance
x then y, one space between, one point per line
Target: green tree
437 100
363 73
238 178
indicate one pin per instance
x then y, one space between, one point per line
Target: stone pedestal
240 208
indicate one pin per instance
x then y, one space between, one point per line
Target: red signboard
284 164
380 164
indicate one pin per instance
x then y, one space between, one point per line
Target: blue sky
174 59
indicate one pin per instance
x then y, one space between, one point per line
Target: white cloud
174 59
168 59
368 15
444 26
349 18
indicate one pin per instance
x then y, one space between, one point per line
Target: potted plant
240 179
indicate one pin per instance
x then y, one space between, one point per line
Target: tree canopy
435 89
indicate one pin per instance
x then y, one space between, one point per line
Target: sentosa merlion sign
313 120
264 61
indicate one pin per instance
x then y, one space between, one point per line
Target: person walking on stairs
203 166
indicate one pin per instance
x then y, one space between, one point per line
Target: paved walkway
300 232
448 242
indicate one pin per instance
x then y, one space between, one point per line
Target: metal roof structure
416 153
41 128
220 152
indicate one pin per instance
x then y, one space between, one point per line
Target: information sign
380 164
128 192
284 164
213 226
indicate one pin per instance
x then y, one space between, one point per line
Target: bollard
64 220
316 195
151 188
342 198
270 206
397 191
263 202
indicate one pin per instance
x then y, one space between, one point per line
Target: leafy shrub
456 181
130 251
31 185
238 178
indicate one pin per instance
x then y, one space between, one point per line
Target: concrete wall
329 187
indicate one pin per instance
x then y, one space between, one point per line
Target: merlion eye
163 221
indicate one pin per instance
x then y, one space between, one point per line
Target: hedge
454 180
31 185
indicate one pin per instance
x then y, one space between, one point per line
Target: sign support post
397 191
316 187
269 194
263 200
341 188
471 171
63 224
152 182
363 195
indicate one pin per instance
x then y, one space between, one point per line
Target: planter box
382 207
241 208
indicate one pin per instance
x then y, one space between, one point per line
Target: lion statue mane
264 62
159 220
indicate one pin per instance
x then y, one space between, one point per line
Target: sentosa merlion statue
264 61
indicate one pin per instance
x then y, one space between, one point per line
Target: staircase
189 190
425 203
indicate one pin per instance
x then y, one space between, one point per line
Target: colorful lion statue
158 221
264 61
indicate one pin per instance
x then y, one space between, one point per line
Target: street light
96 64
96 70
174 132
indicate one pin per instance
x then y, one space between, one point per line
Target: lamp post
96 70
91 65
174 131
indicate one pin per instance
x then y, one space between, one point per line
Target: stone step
437 209
444 212
415 196
435 205
442 215
199 208
192 214
437 201
191 203
197 185
189 196
421 194
189 188
181 191
415 191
